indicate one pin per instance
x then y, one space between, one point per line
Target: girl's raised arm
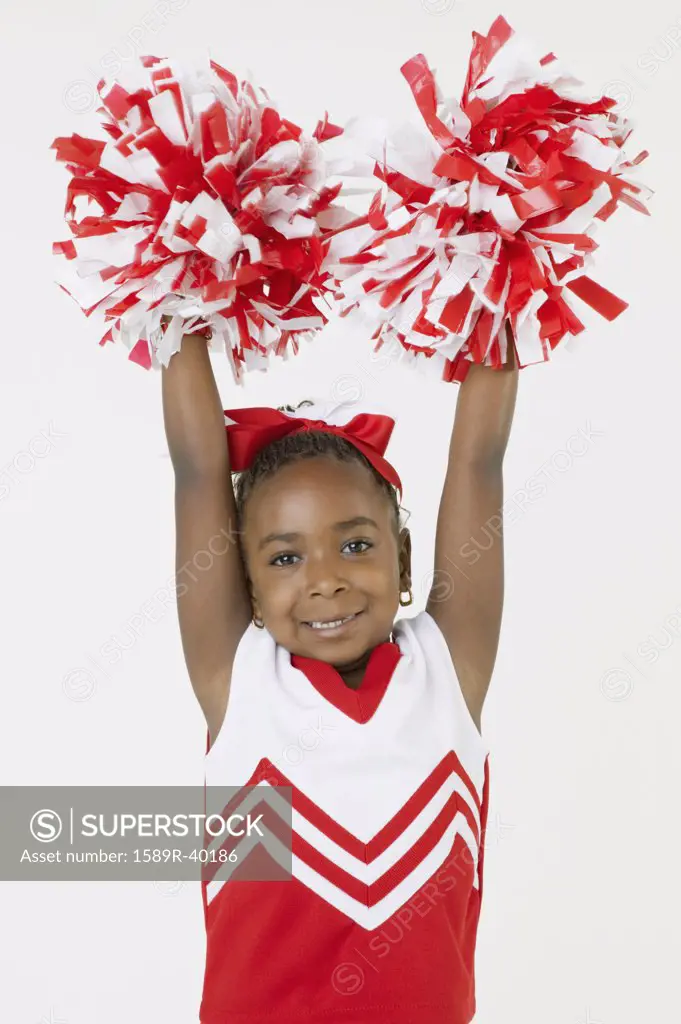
466 599
212 596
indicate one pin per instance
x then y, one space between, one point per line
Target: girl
291 643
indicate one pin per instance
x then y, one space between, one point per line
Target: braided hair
303 445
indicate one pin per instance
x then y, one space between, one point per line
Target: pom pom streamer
491 217
205 207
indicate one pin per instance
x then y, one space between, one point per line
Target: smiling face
321 544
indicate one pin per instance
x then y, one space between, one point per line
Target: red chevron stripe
366 853
371 894
367 894
272 821
450 764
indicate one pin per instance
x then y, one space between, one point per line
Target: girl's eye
277 561
366 543
281 563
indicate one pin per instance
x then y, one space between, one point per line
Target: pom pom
207 211
491 217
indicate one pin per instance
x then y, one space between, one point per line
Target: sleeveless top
389 787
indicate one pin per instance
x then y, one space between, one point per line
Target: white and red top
389 805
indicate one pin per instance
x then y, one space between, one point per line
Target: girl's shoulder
423 644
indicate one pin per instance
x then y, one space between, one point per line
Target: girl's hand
203 333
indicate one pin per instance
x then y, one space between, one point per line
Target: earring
405 604
258 622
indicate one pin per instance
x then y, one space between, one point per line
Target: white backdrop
579 921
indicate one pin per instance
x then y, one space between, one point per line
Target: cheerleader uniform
389 794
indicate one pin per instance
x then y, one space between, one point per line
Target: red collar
362 703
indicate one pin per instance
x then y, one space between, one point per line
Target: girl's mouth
331 627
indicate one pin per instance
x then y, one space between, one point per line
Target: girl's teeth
330 625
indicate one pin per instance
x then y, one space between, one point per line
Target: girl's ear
405 559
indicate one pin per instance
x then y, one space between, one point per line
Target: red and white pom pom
207 207
491 217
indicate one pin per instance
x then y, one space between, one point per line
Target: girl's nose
325 576
327 587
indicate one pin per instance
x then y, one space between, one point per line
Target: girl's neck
352 675
353 679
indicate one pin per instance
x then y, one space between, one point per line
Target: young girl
291 643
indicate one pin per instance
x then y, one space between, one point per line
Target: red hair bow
254 428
